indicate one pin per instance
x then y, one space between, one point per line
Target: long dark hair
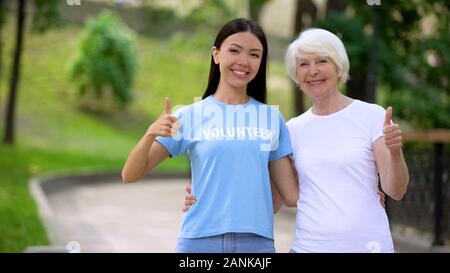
257 87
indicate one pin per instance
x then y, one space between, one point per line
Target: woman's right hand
166 125
189 199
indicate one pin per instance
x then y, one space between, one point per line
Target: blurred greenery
106 61
414 60
55 135
211 12
46 15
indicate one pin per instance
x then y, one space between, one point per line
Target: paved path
137 217
141 217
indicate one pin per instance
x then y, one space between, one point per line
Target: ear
215 54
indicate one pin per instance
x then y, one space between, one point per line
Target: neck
231 96
330 104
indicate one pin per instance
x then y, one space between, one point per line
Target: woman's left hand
392 133
382 199
189 199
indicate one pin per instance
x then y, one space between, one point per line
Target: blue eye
303 64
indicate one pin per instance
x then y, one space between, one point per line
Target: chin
240 84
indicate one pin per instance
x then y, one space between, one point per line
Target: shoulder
273 110
370 108
369 115
183 110
292 121
298 120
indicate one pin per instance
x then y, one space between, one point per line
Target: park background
80 81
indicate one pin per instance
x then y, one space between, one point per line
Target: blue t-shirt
229 147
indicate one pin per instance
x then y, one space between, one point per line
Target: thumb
188 189
388 117
167 106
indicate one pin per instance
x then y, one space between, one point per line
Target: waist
230 242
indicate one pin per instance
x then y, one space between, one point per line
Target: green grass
54 135
20 226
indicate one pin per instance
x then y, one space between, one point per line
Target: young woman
232 139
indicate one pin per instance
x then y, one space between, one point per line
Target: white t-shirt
339 209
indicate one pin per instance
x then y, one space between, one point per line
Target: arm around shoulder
284 178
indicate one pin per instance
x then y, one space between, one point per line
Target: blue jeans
227 243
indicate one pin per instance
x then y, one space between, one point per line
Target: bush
106 61
211 13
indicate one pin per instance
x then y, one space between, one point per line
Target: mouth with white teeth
240 73
315 82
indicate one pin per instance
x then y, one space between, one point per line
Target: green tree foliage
46 15
413 55
106 60
255 7
211 12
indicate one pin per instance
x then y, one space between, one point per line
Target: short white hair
321 42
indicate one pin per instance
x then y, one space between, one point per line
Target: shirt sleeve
378 115
283 146
179 143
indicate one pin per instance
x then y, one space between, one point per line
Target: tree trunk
2 19
356 85
308 8
360 82
335 5
10 111
371 82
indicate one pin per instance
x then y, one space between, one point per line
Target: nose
243 60
313 70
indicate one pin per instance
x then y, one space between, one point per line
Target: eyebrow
253 49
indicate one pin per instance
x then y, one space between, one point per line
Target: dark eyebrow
256 49
253 49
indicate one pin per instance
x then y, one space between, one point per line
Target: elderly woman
340 145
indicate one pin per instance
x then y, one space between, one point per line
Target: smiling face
239 59
316 75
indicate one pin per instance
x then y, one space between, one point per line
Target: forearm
284 179
277 200
397 177
136 164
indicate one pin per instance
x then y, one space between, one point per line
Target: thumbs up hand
392 133
166 125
